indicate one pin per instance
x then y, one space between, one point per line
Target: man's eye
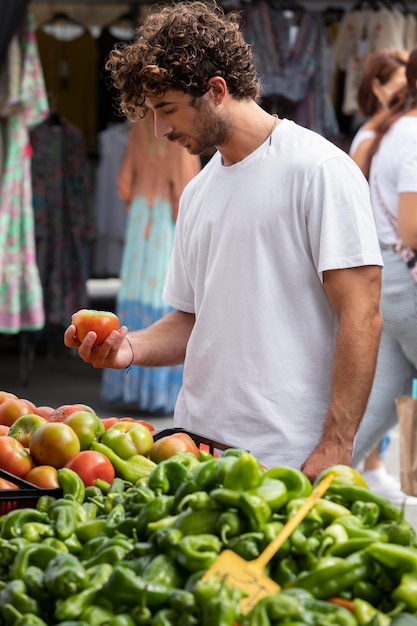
170 111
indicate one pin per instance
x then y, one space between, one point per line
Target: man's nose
161 128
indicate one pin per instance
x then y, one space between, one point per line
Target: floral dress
23 105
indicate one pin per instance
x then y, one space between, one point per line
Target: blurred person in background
392 155
383 74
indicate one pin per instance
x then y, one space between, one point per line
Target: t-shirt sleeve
339 217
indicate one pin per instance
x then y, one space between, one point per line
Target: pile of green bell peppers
134 553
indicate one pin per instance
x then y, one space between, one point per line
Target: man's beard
210 129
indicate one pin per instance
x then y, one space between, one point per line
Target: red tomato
87 426
61 413
13 408
44 476
109 421
24 427
14 457
5 395
206 448
6 484
53 444
101 322
8 505
90 465
128 438
167 446
44 411
148 425
4 430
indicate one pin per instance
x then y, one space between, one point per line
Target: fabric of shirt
394 167
363 134
251 245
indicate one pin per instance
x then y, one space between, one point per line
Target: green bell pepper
163 569
65 575
97 615
196 552
72 485
33 554
403 561
14 595
72 607
126 590
66 516
367 614
352 493
296 482
271 609
244 475
13 522
132 470
166 540
247 545
230 524
217 604
34 579
154 510
168 475
339 574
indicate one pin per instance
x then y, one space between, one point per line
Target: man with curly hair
276 269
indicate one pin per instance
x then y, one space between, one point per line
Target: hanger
286 5
61 16
374 5
128 17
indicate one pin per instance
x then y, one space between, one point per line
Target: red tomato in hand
14 457
101 322
167 446
90 465
54 444
44 476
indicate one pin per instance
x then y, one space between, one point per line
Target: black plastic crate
26 496
199 440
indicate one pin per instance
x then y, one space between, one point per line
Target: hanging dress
23 105
152 177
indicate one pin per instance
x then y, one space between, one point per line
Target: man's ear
218 89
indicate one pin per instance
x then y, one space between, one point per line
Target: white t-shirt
395 169
362 135
252 241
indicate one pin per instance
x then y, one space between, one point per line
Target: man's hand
115 352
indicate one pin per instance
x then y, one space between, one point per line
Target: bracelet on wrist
128 367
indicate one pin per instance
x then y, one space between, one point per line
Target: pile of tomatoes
36 441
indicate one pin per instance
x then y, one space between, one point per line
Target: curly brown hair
181 47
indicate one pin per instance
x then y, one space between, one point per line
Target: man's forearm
164 342
352 377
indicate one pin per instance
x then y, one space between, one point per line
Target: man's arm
162 343
355 296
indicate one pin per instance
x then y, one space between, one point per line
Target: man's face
194 123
